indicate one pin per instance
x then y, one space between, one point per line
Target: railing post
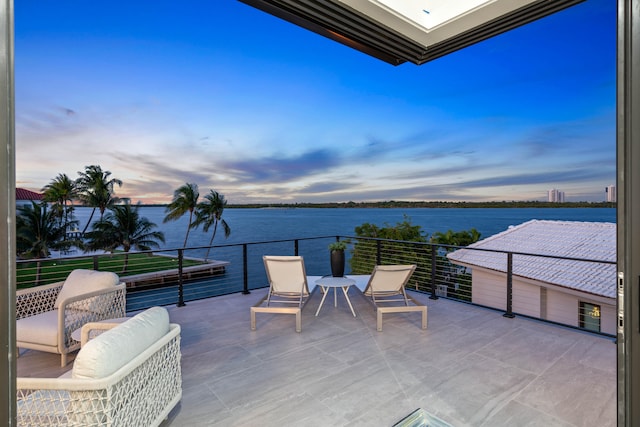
295 247
509 312
378 252
95 262
434 249
245 270
180 282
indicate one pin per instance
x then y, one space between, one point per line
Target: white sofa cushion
113 349
39 329
84 281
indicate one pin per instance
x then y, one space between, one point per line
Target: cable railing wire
180 275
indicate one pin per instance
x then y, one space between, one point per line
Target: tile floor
471 367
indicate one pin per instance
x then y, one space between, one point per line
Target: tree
208 213
185 199
397 251
96 189
60 191
456 238
123 227
458 281
404 230
38 231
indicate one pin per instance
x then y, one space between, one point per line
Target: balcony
471 367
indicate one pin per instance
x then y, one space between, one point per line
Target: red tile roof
24 194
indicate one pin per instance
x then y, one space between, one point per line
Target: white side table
326 283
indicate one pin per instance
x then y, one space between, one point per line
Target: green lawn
55 270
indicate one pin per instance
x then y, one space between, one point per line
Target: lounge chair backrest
286 274
389 278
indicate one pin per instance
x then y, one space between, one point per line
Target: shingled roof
24 194
572 239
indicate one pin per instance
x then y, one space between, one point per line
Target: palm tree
456 238
123 227
185 199
96 189
60 191
37 232
209 212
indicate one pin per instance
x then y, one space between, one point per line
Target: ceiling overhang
410 30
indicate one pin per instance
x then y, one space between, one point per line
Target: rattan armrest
87 328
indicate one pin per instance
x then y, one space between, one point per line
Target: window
589 316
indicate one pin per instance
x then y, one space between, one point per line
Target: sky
233 99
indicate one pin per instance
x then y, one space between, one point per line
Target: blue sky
234 99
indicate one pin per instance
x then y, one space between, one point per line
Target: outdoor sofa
129 375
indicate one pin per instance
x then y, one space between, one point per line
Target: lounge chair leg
299 321
424 318
379 320
253 319
63 359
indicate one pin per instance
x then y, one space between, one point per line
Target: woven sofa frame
141 393
73 312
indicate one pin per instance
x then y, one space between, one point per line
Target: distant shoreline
406 204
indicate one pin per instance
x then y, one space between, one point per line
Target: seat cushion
84 281
39 329
113 349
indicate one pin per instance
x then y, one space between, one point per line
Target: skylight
431 13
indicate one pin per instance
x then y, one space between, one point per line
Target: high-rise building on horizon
555 196
611 193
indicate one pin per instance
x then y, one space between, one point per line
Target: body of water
254 225
257 225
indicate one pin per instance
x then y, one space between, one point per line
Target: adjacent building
611 193
24 196
568 291
555 196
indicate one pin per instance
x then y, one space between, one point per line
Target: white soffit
418 31
428 22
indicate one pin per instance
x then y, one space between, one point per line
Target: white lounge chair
48 315
386 286
288 288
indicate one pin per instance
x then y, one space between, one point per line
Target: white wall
562 307
489 288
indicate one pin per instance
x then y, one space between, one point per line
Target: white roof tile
572 239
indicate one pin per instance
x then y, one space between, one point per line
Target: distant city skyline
556 196
231 98
612 194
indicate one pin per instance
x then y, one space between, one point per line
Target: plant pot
337 263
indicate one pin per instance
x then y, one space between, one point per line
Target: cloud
553 177
327 187
280 168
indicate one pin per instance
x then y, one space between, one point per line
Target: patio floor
471 367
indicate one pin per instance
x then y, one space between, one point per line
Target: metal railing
176 276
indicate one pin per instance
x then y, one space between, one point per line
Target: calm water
253 225
256 225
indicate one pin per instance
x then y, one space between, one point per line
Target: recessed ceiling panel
431 13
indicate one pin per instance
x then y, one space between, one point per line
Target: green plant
338 246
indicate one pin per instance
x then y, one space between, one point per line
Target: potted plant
337 258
